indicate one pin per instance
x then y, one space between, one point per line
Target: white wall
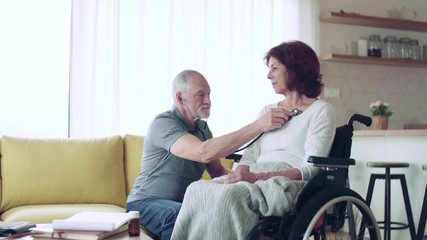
360 84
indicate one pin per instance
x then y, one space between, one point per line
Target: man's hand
273 119
241 174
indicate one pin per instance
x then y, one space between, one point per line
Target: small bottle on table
134 228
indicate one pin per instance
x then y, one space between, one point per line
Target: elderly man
179 146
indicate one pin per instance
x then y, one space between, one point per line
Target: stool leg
387 210
371 185
370 189
407 205
423 216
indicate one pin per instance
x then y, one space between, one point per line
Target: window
34 62
126 53
84 68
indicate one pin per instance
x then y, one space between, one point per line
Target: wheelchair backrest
341 146
341 149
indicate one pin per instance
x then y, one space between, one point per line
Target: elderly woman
274 169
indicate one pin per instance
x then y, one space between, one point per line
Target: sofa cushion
50 212
61 171
133 146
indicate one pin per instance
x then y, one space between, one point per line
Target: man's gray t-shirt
164 175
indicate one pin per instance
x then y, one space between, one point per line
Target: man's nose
207 100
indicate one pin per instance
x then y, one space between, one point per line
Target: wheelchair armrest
331 162
234 157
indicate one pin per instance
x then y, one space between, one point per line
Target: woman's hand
241 174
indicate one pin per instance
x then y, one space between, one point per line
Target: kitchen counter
391 132
391 146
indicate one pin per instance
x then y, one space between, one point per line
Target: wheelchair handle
367 121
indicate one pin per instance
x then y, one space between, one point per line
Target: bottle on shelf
404 47
391 48
374 46
414 50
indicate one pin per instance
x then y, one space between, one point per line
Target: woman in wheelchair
274 169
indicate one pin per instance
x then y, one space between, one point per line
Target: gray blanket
213 210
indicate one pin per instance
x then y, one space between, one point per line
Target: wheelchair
326 208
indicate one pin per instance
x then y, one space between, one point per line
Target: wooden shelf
369 21
372 60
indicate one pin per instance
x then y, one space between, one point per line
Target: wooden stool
387 223
423 216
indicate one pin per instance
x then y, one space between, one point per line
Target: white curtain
34 67
125 53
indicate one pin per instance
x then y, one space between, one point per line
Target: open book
92 221
46 231
85 225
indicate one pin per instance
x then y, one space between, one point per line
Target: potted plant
381 111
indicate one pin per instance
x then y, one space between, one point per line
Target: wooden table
120 236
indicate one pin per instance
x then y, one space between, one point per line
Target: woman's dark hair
302 67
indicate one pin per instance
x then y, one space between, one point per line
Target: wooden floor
330 235
342 236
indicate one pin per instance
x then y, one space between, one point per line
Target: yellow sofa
46 179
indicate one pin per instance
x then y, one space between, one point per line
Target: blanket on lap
214 210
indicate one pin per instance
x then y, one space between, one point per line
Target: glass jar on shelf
391 48
414 50
374 46
404 47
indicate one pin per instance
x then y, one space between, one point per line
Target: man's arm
191 148
215 169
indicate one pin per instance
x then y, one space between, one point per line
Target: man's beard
203 114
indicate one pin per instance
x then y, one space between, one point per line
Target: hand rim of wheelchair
326 199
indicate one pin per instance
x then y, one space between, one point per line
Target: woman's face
277 75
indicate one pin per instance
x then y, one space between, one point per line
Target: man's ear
179 97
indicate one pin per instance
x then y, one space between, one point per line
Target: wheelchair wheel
336 213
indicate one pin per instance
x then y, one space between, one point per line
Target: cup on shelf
362 47
351 48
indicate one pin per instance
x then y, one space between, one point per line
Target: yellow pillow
133 146
57 171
